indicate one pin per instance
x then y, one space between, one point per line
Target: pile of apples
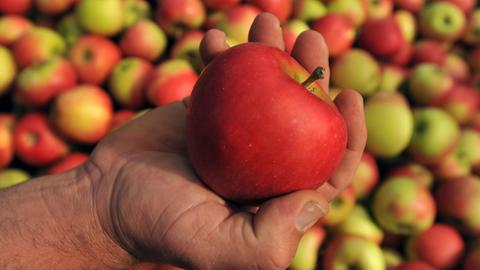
71 71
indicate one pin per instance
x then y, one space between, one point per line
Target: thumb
280 222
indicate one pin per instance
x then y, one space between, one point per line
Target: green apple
435 135
359 223
8 69
442 20
356 10
392 78
307 251
11 177
356 69
308 10
135 11
428 83
408 25
402 206
389 124
472 34
469 145
353 252
392 258
69 28
105 17
340 207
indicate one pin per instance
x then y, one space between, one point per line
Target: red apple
220 4
37 45
414 265
472 261
53 7
459 200
440 246
280 8
429 51
457 67
94 57
171 81
145 40
40 83
176 16
246 158
15 6
414 171
120 118
83 113
338 32
69 162
403 56
461 101
35 141
366 176
382 37
12 27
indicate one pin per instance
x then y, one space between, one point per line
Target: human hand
150 202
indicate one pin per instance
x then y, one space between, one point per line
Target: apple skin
83 113
306 257
12 177
413 6
135 11
435 135
472 261
220 4
407 23
459 200
402 57
432 22
466 6
291 30
35 142
440 246
366 176
392 78
128 82
15 6
145 40
6 145
282 9
171 81
251 168
366 79
470 145
347 252
37 85
12 27
457 67
340 207
8 69
402 206
37 45
67 163
235 22
429 51
175 16
94 57
105 18
69 28
428 83
308 10
355 10
53 7
392 258
188 48
338 32
414 265
121 118
381 37
461 101
380 9
359 223
414 171
389 124
472 35
473 59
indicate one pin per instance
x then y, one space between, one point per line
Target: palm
157 208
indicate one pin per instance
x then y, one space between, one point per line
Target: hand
150 202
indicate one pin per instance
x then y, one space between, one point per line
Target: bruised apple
256 131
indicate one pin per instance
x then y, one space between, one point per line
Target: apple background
72 71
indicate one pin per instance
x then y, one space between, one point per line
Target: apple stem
317 74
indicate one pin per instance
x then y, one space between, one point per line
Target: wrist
52 222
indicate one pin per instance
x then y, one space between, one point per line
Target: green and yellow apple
340 207
428 83
392 78
6 145
461 102
415 171
308 10
105 17
407 23
355 10
69 28
359 223
12 177
379 9
470 145
291 30
306 257
442 21
366 176
135 11
12 27
392 257
8 69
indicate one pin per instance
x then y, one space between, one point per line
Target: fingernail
309 215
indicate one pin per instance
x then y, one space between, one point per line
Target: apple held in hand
254 131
